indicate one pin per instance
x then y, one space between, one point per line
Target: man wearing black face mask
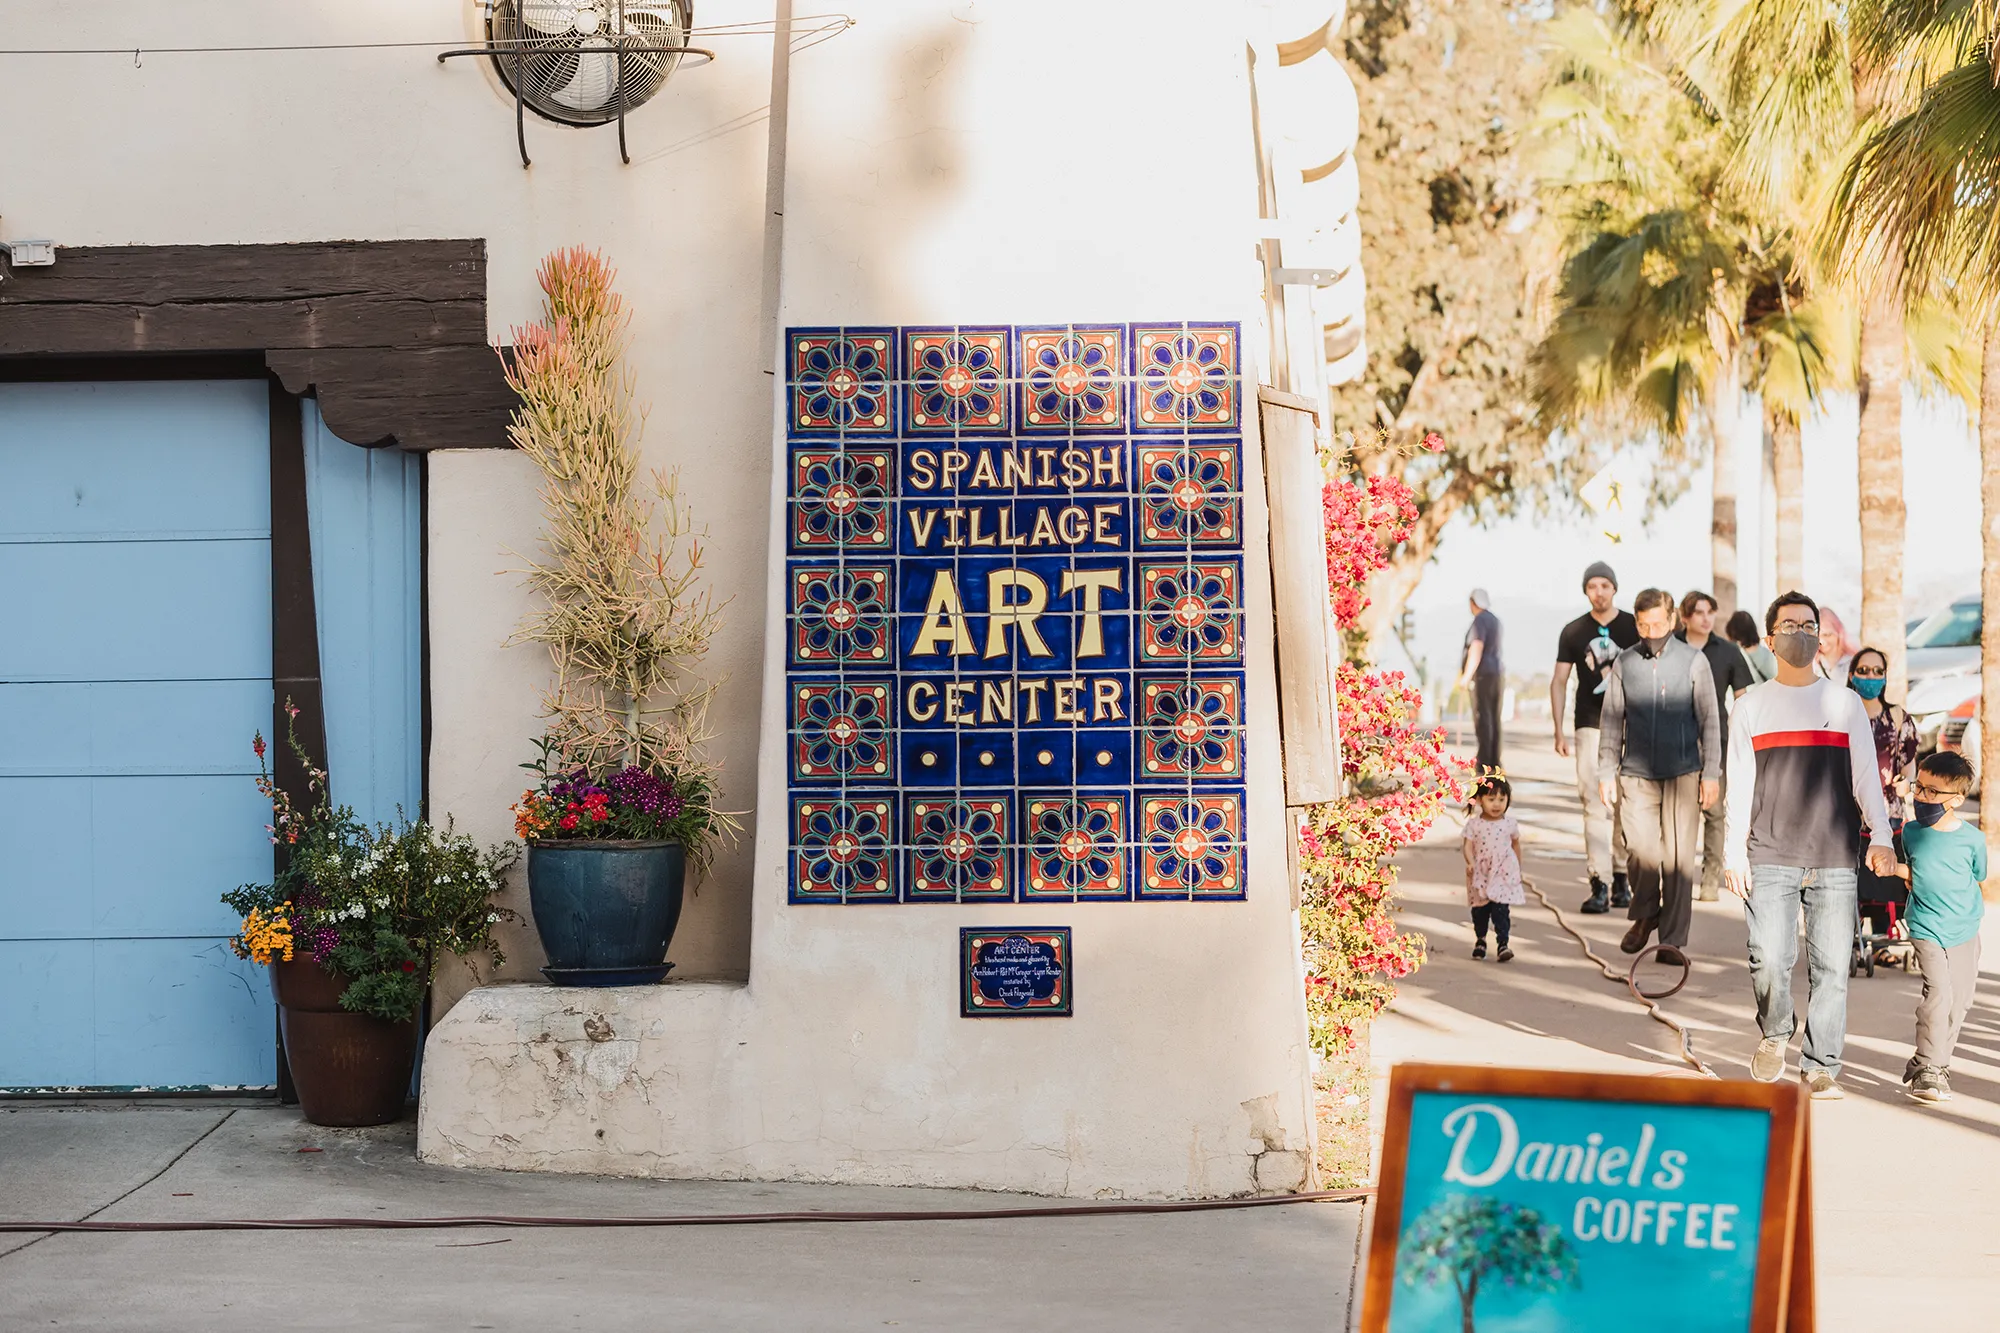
1803 786
1662 735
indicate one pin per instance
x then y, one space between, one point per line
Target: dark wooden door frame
389 336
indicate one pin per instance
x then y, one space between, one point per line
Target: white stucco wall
386 144
944 161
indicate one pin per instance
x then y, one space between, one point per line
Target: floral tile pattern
1072 377
960 850
1193 727
839 380
840 729
1014 613
840 613
958 379
1190 495
840 500
1191 611
1076 846
841 849
1191 847
1186 375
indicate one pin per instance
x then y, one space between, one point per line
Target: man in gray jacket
1662 735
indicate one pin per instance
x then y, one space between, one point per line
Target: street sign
1537 1199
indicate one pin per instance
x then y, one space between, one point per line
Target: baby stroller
1879 930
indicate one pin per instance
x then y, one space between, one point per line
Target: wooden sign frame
1782 1296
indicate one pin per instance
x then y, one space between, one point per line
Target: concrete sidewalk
1906 1204
1286 1267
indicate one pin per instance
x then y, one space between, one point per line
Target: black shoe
1669 956
1635 938
1506 955
1479 949
1596 904
1621 891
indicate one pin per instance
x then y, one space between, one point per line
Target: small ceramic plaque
1014 973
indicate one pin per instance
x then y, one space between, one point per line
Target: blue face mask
1928 812
1868 687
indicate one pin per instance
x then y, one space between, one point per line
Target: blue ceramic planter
606 910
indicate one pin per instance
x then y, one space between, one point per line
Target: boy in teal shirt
1947 861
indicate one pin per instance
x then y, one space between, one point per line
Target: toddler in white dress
1492 864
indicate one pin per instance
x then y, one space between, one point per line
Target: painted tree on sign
1466 1240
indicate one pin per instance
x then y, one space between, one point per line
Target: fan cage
583 64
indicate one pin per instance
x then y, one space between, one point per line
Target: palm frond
1926 188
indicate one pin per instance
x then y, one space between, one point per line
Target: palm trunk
1879 449
1788 480
1989 590
1725 404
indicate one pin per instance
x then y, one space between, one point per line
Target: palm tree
1802 350
1798 83
1923 191
1647 333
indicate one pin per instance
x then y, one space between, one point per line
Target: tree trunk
1880 452
1788 480
1466 1296
1989 591
1725 408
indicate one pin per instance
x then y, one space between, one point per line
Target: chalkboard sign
1014 973
1526 1198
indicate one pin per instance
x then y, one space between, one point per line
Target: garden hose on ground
694 1219
1631 983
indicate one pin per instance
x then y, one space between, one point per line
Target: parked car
1961 733
1943 666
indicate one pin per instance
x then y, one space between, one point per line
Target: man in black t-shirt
1732 674
1480 671
1588 646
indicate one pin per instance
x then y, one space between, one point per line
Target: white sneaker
1823 1087
1768 1065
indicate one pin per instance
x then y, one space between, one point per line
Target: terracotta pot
349 1069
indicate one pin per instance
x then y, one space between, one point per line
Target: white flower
492 918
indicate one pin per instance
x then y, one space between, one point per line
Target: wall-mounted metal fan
585 62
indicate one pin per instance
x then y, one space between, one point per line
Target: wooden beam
1309 726
390 336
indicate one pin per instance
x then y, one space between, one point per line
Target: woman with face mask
1895 731
1896 763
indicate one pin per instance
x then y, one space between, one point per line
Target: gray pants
1603 840
1949 976
1662 825
1711 844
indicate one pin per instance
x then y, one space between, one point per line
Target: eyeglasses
1798 627
1933 793
1870 673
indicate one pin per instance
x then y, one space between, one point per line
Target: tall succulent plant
627 615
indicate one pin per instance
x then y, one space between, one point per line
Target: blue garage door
135 662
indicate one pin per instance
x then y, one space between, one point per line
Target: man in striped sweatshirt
1802 794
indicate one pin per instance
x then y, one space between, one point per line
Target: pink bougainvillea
1398 780
1364 521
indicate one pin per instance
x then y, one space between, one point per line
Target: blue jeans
1772 914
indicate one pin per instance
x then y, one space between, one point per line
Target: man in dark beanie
1589 644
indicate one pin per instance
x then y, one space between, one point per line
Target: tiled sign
1014 613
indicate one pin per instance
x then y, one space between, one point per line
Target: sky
1533 566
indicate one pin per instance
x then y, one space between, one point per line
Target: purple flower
573 788
646 793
